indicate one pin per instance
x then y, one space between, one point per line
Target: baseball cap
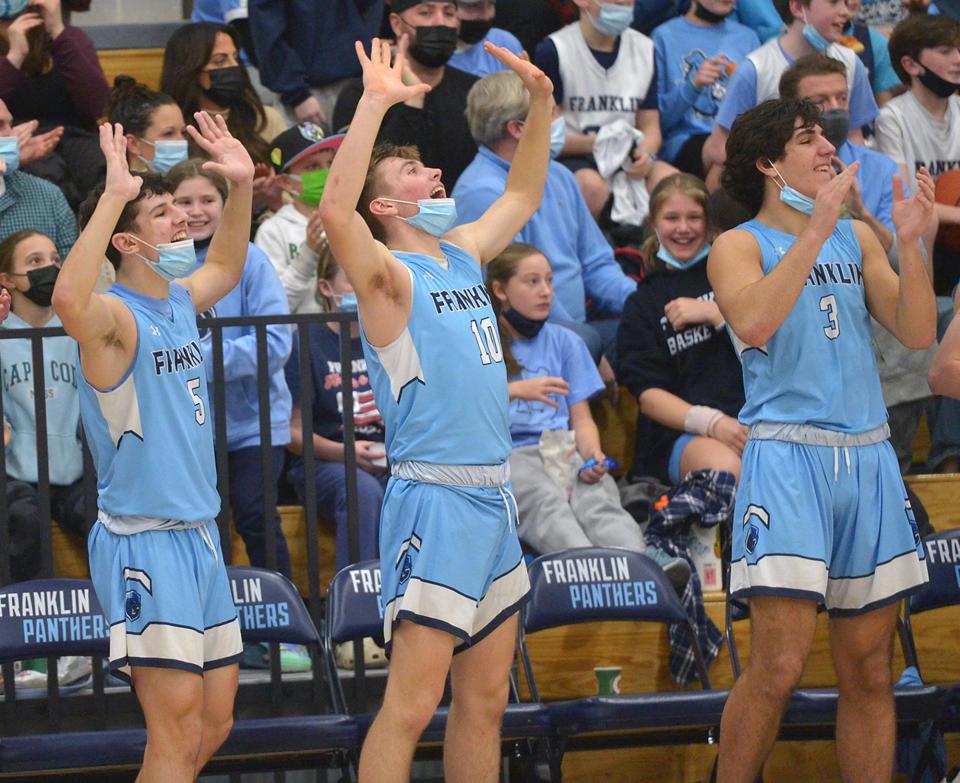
299 141
397 6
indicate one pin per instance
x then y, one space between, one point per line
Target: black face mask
226 85
474 30
836 126
526 327
937 84
41 281
202 244
434 45
706 15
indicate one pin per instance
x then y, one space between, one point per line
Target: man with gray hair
562 229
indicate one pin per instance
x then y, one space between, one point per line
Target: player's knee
484 704
177 736
216 730
867 676
779 675
412 714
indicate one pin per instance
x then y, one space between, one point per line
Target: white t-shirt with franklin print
913 137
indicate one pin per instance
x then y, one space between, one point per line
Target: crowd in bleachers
646 93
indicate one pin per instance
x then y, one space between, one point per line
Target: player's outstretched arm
95 321
223 266
754 304
905 306
496 228
365 260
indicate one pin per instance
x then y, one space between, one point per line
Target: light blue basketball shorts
166 597
450 555
827 523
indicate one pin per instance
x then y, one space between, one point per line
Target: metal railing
279 695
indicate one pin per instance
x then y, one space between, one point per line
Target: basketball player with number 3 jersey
452 571
822 516
155 554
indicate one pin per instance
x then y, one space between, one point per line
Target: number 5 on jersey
488 341
200 414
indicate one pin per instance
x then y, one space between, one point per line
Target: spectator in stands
602 71
873 52
434 123
336 294
476 26
922 126
305 51
533 20
201 70
153 124
812 26
51 74
565 495
582 259
29 263
884 15
293 238
695 55
27 201
675 356
821 79
202 194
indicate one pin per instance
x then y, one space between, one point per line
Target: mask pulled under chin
175 260
526 327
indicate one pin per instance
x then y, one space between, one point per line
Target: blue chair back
51 617
354 609
269 607
943 567
598 583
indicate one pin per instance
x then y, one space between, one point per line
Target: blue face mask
436 215
614 19
671 260
166 155
174 259
348 303
793 198
558 135
817 41
10 152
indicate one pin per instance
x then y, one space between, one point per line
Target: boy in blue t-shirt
476 26
696 54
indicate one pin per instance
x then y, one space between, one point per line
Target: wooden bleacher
144 65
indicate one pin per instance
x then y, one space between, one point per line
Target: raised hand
38 147
383 79
4 304
19 46
912 216
120 182
228 157
831 197
538 84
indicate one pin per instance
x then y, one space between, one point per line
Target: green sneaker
294 658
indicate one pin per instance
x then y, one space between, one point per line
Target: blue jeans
246 500
331 481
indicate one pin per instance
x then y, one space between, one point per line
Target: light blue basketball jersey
151 435
819 367
441 386
62 404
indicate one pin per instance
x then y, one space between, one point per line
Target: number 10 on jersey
488 340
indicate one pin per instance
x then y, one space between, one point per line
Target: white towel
612 149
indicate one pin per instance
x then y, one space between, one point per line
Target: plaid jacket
33 203
705 497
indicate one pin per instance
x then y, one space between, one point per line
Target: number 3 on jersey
488 341
200 414
828 304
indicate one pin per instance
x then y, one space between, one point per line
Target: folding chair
941 592
607 583
354 611
270 609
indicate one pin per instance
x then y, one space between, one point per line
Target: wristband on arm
701 419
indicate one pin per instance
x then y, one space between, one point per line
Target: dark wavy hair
500 270
761 134
133 104
187 54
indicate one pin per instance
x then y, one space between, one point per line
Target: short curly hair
761 134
